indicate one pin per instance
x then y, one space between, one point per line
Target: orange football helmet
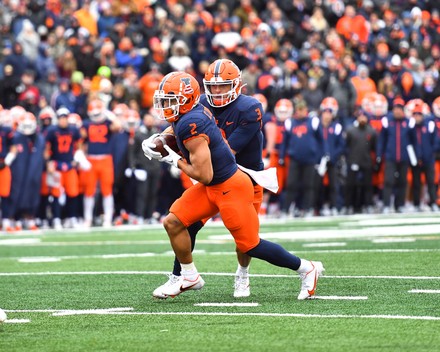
436 107
27 124
418 104
262 99
178 93
222 73
283 109
331 104
96 110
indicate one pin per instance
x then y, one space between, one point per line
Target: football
165 139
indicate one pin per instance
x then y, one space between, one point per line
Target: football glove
172 158
148 146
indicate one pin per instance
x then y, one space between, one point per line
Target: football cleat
309 281
241 286
176 285
172 279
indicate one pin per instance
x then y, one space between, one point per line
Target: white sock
189 271
242 270
89 204
306 266
108 205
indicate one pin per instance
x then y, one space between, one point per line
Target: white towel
266 178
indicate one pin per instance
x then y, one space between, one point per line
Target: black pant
395 178
147 194
428 170
359 188
299 188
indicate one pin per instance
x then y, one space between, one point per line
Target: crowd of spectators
59 53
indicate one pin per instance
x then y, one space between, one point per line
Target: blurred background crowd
378 61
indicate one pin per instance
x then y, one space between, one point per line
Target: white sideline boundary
128 311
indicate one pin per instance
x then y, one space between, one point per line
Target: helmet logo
187 88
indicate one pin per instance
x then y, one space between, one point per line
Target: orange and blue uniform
62 144
99 154
230 192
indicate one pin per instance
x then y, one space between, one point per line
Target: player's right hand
148 146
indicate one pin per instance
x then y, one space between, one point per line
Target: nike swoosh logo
226 192
228 123
312 291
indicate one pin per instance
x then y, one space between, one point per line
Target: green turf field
91 291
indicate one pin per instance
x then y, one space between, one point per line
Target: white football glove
148 146
128 172
141 175
172 158
82 161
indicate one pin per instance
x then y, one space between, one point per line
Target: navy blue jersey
335 141
395 136
98 137
6 135
426 141
303 140
200 122
62 145
241 122
27 170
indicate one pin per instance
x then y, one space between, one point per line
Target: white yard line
38 259
325 244
124 309
393 240
17 321
424 291
55 273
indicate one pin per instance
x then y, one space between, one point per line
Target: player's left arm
200 166
250 124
